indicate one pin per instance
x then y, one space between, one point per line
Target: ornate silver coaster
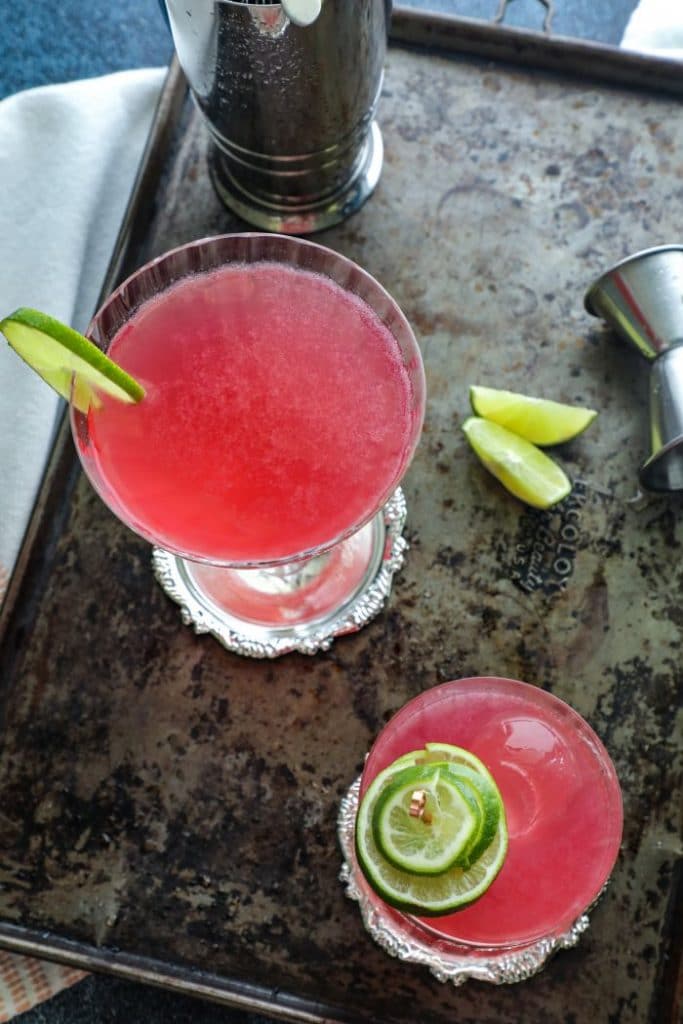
376 553
401 936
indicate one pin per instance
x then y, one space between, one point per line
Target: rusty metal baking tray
167 809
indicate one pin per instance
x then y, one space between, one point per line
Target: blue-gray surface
46 42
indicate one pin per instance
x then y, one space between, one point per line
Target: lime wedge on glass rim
519 465
70 363
418 893
538 420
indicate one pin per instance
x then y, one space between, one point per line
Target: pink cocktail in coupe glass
564 816
284 400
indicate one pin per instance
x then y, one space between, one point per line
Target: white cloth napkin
656 27
68 158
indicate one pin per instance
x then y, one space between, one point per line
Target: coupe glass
268 605
564 814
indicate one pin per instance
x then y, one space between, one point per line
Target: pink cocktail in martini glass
284 401
564 815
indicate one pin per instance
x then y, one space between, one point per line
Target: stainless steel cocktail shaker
294 147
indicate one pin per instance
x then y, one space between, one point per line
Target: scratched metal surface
168 809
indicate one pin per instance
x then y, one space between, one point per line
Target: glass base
305 216
301 606
406 938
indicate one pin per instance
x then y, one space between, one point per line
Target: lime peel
68 361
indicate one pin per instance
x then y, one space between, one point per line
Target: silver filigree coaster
258 640
399 935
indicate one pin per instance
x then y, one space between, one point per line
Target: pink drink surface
561 796
278 415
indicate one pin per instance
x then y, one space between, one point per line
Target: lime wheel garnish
431 833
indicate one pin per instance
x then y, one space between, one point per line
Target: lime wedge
70 363
426 895
521 467
539 420
424 820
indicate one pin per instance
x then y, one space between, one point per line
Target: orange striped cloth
24 982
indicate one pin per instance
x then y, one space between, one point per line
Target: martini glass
564 814
285 399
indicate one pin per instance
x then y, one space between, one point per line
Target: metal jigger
641 297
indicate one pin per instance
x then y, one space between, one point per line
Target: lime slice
449 752
426 895
458 885
539 420
485 792
482 788
424 819
70 363
521 467
437 753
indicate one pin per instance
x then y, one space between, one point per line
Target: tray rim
188 981
598 62
433 33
